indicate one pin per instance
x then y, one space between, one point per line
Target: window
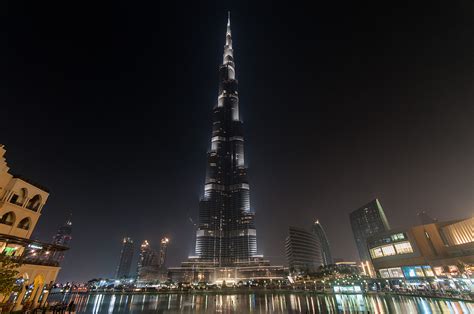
384 273
395 272
403 247
34 203
8 219
376 253
398 236
428 271
24 224
388 250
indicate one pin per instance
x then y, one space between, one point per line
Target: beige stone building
426 251
21 204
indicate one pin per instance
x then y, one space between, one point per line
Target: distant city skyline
343 104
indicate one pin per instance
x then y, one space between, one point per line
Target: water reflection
259 302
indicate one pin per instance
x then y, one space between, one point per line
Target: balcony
26 251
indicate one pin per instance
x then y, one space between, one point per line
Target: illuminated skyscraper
63 237
148 257
226 232
226 238
126 256
320 235
367 221
163 248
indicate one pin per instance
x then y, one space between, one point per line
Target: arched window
19 199
8 219
34 203
24 223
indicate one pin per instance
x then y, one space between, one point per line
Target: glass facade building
63 237
367 221
320 235
226 233
126 256
303 251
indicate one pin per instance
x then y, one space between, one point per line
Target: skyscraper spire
226 232
228 51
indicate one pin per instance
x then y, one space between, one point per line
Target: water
261 302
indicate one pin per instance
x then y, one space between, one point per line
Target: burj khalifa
226 232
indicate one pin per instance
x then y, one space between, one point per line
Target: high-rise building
21 205
163 248
424 218
148 257
126 257
367 221
226 237
321 237
226 232
302 251
63 237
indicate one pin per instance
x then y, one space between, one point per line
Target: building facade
303 251
163 249
226 237
21 205
437 249
126 257
367 221
148 258
63 237
325 249
226 233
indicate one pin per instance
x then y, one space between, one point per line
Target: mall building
21 204
439 249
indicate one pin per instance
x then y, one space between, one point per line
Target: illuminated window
395 272
398 236
376 253
428 271
388 250
413 271
419 271
384 273
403 247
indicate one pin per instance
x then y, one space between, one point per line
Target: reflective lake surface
261 302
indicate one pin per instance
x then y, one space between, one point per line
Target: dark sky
108 104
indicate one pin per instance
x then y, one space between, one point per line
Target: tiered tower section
226 234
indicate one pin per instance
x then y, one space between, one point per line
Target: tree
8 274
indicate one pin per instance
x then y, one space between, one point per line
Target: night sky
108 105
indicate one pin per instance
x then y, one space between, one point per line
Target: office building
367 221
163 248
126 257
303 251
325 249
148 258
63 237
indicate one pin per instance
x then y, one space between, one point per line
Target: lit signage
35 246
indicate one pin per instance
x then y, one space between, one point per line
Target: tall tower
367 221
226 232
63 237
163 248
126 256
148 257
321 237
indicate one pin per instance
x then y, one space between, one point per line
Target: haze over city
110 108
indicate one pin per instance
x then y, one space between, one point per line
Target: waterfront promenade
259 301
